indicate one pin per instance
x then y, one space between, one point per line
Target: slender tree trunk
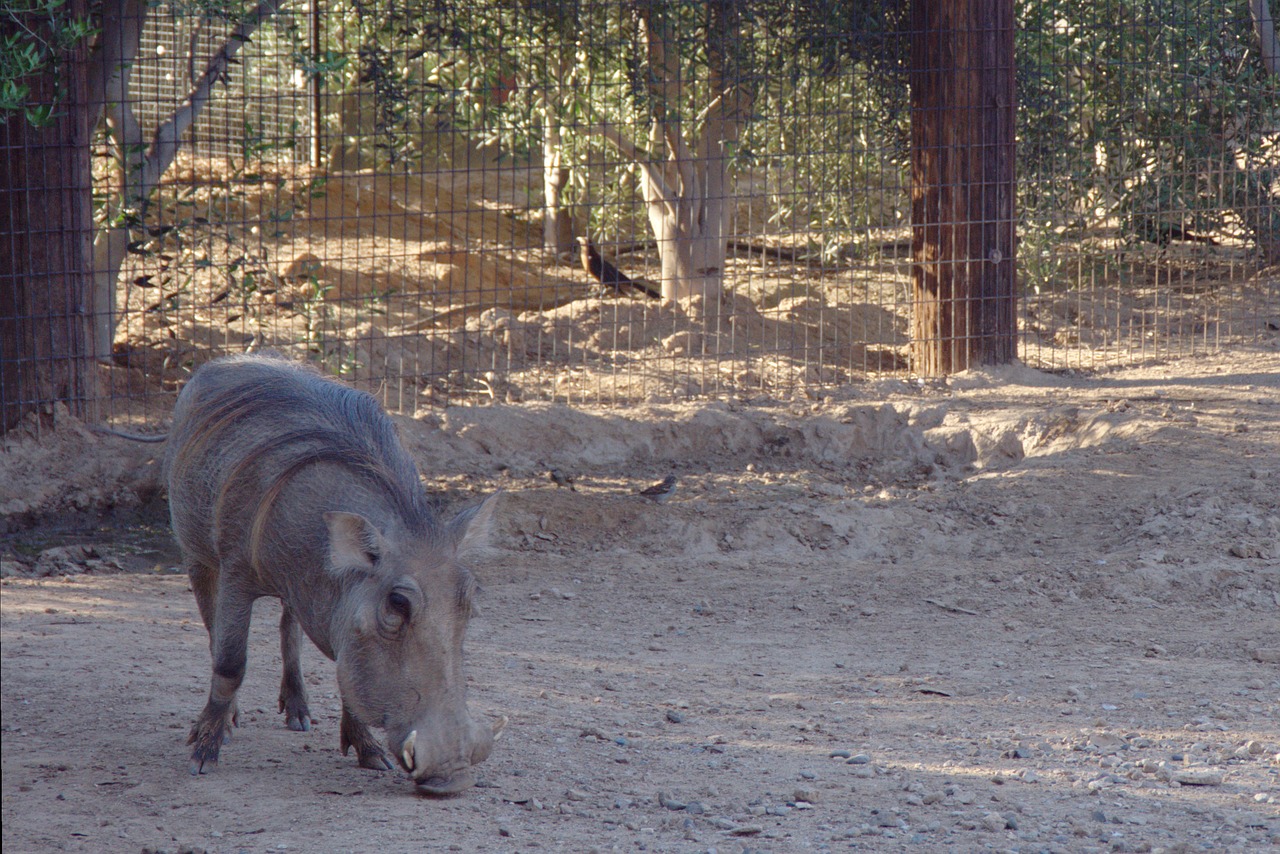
110 70
557 222
962 194
46 225
1265 26
142 162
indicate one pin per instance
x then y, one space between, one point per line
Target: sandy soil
1013 611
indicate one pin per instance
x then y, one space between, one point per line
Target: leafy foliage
34 37
1155 116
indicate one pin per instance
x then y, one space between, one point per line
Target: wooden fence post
962 193
46 230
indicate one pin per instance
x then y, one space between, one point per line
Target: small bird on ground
560 479
660 492
600 269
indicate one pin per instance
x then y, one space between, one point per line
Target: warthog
284 483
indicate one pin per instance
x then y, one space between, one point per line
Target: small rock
1267 655
674 716
840 754
811 796
994 822
746 830
884 818
1198 776
670 803
859 759
576 795
1106 742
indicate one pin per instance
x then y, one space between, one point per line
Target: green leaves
38 35
1153 111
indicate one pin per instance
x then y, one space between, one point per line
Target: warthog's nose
443 778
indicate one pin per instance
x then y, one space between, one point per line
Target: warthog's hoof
369 752
210 732
450 785
297 716
374 757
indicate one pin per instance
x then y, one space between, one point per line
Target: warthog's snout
436 774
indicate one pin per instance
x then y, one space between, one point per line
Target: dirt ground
1013 611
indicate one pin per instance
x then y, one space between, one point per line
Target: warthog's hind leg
293 692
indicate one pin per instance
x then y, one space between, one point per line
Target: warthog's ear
469 530
353 542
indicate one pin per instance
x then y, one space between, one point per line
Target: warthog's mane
291 419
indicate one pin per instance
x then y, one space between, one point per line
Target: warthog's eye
399 606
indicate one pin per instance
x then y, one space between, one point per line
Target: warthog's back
245 428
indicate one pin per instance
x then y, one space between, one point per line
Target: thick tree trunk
691 246
688 194
962 194
46 227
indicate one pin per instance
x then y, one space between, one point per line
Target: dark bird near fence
604 272
660 492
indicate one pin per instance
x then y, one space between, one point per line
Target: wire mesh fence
614 201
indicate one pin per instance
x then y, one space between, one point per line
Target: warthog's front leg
368 750
230 646
293 692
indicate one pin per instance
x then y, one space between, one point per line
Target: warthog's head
398 643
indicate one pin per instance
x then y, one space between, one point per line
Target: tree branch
661 190
1264 25
166 142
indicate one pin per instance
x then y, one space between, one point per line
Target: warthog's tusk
406 750
498 726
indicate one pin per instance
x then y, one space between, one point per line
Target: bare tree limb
1264 25
165 144
661 190
664 84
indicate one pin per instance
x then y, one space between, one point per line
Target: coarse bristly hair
294 418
